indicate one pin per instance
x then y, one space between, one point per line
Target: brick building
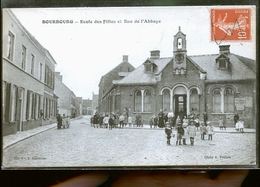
28 79
220 84
107 98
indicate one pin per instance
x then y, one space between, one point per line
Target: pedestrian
155 120
185 133
221 123
101 117
178 120
59 121
64 121
125 119
205 117
165 118
105 121
151 122
67 121
241 125
180 133
168 132
116 119
185 121
197 122
121 120
210 130
203 130
91 121
171 117
130 121
161 120
138 119
236 118
110 122
96 120
191 130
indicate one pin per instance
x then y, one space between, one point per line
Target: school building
220 84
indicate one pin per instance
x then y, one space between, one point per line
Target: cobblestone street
85 146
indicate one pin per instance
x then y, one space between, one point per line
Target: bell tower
179 53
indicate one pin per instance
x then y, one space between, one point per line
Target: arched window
229 100
194 99
179 43
138 101
147 101
216 101
166 100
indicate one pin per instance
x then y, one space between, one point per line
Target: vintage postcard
129 87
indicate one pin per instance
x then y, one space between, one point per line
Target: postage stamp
231 24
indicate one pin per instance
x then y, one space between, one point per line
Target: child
191 130
168 132
155 120
180 133
185 121
121 120
105 121
185 133
151 122
237 126
210 130
221 123
241 125
203 130
110 123
130 121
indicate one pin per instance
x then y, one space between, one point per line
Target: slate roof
238 70
139 77
241 68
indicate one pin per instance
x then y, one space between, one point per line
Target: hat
208 122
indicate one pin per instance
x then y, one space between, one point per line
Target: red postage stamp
230 24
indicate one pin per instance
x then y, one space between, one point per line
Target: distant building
67 99
79 106
94 106
219 84
28 79
87 107
108 99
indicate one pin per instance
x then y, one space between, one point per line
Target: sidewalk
22 135
19 136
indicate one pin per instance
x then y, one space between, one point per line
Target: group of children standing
188 130
63 121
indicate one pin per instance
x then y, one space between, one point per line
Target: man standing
236 118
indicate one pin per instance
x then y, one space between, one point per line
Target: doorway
180 101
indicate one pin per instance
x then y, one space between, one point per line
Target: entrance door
180 105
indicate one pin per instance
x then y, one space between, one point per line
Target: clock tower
179 53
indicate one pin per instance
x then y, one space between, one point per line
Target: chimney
224 49
58 75
155 54
125 58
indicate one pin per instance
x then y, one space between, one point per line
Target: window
147 101
14 103
179 43
194 99
32 64
222 63
216 101
10 46
148 67
166 100
29 104
138 101
40 71
6 100
23 57
229 100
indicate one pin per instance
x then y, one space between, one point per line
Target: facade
87 107
67 99
107 98
220 84
28 79
79 106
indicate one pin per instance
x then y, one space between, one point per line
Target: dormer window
148 67
179 43
222 62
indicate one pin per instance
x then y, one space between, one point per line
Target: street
85 146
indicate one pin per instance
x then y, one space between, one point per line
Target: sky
86 51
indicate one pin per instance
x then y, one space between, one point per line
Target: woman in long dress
161 119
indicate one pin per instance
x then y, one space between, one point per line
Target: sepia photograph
129 87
